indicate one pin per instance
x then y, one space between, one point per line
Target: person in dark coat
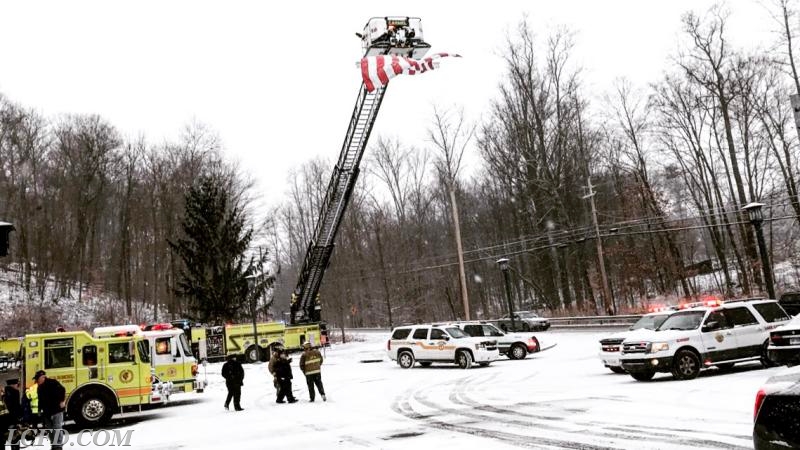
283 372
52 398
233 373
11 398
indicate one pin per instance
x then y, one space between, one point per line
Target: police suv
513 345
611 346
440 343
716 334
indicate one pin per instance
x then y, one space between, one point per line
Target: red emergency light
161 326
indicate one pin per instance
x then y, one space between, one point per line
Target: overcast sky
277 80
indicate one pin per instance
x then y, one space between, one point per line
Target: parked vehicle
784 343
523 321
611 347
690 340
218 342
790 301
440 343
513 345
776 415
101 376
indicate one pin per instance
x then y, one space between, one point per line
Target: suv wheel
642 376
464 359
518 351
765 361
685 365
405 359
526 327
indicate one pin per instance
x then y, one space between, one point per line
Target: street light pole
754 210
503 262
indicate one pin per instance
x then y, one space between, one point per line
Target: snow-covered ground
560 398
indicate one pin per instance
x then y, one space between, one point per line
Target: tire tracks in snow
525 428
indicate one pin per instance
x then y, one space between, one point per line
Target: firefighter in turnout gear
310 364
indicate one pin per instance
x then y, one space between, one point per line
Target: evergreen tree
216 273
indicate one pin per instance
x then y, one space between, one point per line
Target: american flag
376 71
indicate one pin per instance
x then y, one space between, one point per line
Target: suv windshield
649 322
688 320
456 333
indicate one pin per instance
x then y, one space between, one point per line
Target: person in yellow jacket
30 405
310 364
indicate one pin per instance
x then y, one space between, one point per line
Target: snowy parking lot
560 398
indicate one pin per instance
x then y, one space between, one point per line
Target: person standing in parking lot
233 373
11 398
283 371
310 364
52 397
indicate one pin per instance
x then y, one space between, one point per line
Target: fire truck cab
170 355
102 377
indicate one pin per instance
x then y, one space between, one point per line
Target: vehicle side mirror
710 326
446 338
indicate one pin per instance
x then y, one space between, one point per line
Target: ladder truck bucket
401 36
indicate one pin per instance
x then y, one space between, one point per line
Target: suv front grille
634 347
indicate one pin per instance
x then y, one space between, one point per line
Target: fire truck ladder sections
337 197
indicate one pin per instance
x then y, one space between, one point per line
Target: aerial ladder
400 36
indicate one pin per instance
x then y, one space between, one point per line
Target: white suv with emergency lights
715 334
439 343
611 346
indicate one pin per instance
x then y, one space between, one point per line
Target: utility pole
608 301
461 273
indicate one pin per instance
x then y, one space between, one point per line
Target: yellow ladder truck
395 35
170 355
102 377
216 343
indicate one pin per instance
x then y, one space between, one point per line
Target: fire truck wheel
91 409
253 354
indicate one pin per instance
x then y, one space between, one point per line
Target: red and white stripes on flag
376 71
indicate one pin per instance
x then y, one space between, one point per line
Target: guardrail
555 322
593 321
